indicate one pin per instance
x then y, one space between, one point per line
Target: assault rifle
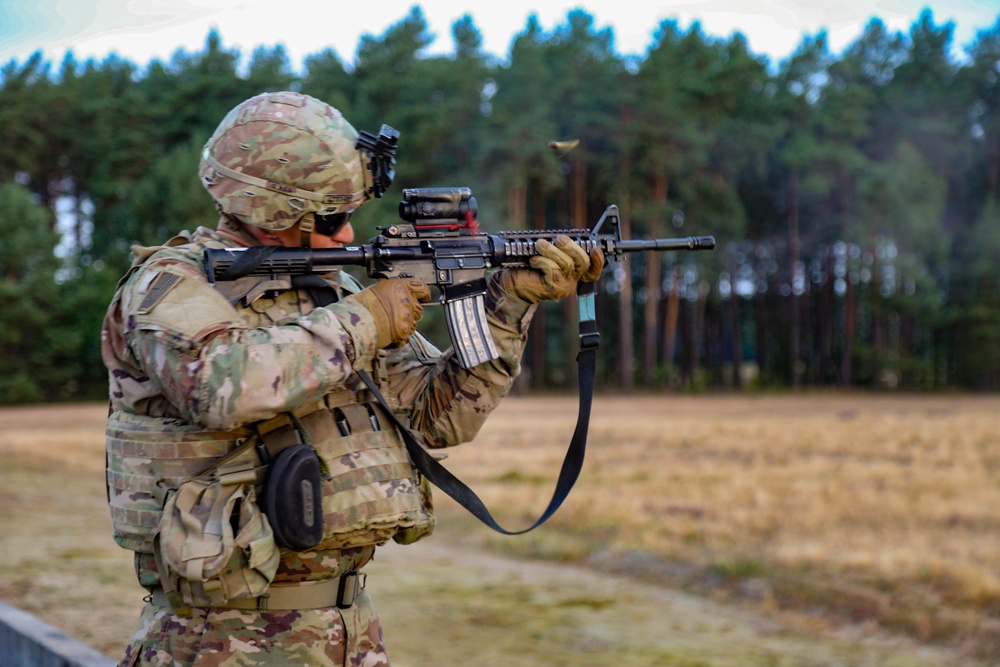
441 245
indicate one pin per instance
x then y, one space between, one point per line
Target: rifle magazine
470 331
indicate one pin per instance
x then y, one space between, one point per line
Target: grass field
821 529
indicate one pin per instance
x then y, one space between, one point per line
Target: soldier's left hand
554 272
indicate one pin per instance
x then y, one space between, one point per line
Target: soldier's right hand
396 306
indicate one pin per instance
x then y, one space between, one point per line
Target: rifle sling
572 464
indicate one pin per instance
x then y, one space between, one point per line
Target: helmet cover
278 156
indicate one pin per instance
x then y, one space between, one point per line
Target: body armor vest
370 491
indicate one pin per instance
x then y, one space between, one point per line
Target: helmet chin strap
306 226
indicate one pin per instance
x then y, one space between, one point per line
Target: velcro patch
294 99
163 284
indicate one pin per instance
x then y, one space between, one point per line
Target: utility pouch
293 498
372 493
213 544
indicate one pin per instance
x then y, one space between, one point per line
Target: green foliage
26 254
36 341
977 316
169 197
327 79
855 196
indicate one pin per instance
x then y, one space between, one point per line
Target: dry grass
57 559
871 508
870 511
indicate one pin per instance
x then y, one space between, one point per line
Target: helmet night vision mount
381 153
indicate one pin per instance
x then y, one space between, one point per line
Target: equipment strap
340 592
572 464
287 190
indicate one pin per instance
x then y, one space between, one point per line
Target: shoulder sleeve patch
157 290
180 301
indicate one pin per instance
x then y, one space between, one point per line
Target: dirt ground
453 599
445 603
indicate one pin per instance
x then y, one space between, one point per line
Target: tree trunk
538 322
626 344
686 352
626 349
825 322
654 280
698 346
517 205
579 190
737 337
993 167
670 323
794 326
850 325
516 213
578 213
875 294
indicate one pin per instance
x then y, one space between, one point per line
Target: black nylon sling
572 464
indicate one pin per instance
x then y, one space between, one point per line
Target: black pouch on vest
293 498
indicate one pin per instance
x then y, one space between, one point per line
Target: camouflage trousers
229 637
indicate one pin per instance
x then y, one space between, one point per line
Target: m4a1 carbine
439 243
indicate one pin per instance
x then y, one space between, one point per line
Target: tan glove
554 272
396 307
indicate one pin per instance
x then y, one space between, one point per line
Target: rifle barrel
689 243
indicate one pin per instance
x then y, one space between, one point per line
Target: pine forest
854 196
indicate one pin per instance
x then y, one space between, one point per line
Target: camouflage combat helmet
278 156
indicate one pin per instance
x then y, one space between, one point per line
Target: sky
141 30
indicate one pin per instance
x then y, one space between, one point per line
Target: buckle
351 584
590 341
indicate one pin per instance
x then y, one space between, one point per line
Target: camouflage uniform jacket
177 348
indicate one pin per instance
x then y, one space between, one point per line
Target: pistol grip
469 330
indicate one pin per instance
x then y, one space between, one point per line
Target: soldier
249 468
